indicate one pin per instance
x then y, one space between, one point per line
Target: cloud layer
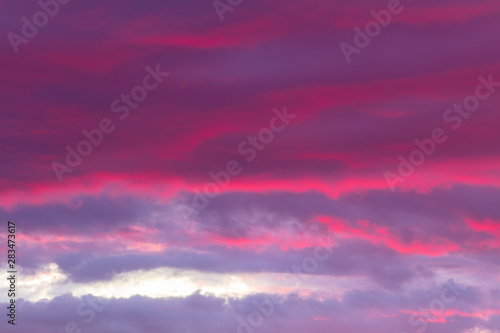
261 151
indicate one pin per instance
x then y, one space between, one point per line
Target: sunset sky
244 166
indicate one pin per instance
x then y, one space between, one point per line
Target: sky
244 166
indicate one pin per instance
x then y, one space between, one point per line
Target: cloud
379 310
